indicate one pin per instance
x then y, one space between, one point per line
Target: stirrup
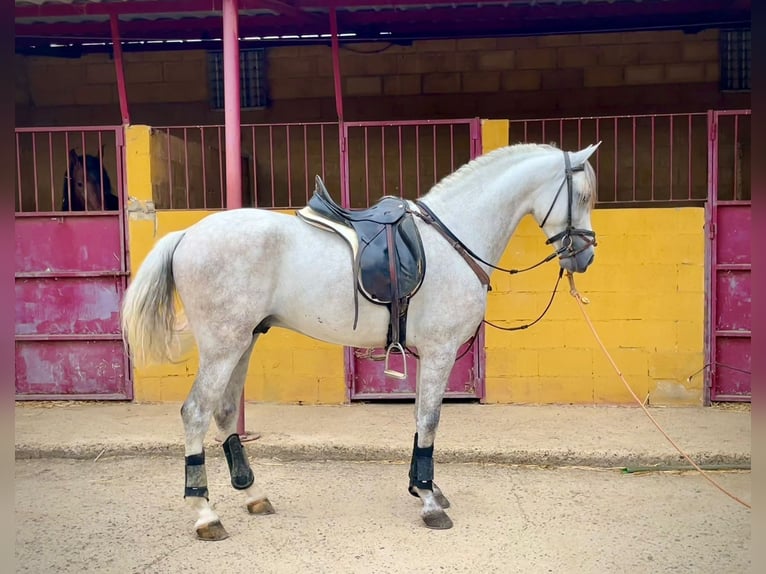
390 372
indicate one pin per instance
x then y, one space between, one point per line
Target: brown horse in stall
87 186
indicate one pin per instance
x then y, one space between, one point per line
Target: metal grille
252 79
735 59
279 162
43 180
643 160
404 158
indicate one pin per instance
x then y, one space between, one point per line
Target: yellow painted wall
646 289
285 367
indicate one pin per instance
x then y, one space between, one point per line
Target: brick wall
503 77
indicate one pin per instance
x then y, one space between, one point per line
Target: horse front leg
242 477
433 373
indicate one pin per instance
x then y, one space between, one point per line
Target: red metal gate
71 267
405 159
728 344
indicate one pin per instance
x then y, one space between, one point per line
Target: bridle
567 250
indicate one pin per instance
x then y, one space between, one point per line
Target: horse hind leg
432 382
215 372
242 477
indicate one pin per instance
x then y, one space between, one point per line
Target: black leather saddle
388 258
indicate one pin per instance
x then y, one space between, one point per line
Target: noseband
567 249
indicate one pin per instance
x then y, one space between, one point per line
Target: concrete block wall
578 74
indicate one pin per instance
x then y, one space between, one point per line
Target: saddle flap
375 255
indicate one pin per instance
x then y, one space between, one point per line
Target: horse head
85 184
566 220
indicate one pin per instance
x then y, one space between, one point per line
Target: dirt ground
126 515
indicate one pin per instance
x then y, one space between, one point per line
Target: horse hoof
440 498
262 506
437 520
212 531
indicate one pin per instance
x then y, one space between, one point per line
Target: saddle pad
317 220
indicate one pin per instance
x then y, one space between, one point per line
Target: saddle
387 253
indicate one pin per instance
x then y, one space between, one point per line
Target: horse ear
581 156
73 157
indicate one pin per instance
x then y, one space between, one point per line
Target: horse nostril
592 255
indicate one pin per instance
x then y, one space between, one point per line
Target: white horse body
238 272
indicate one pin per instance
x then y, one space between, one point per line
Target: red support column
344 191
232 127
119 69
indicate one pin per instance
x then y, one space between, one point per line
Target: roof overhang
83 25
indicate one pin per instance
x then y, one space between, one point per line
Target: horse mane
586 194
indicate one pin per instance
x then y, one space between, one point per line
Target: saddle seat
387 254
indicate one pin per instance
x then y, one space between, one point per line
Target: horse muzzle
577 253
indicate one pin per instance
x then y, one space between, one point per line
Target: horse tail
148 309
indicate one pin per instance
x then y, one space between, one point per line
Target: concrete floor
126 515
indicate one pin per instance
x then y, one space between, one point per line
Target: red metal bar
336 63
345 192
306 160
634 159
654 148
68 173
34 173
321 147
417 160
50 156
222 188
204 166
271 169
231 81
736 156
289 168
186 168
561 134
383 155
598 138
18 172
616 131
689 176
366 169
452 148
401 166
255 168
434 144
670 184
84 170
170 169
119 69
101 171
579 133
